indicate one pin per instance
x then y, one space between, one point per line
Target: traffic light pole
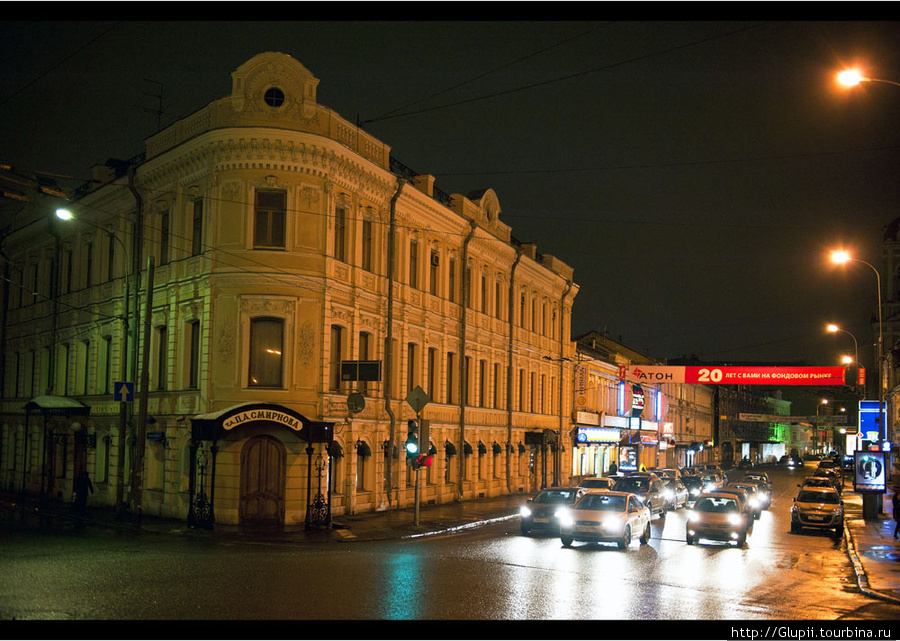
419 426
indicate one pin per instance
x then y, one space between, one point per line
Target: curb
862 579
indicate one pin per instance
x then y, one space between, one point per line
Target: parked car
829 473
818 507
818 481
847 463
828 465
649 489
597 483
540 512
753 495
717 517
603 516
676 493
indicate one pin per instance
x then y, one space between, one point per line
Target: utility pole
138 485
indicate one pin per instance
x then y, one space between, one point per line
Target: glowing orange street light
852 77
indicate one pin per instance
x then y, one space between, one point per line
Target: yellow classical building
231 274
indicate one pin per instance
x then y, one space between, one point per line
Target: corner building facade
284 242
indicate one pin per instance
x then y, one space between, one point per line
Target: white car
604 516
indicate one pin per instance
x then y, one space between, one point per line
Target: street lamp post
852 77
833 329
842 257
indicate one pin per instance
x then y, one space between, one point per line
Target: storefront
595 448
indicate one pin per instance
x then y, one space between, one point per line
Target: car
597 483
753 495
829 473
743 497
668 473
818 507
765 485
718 517
711 481
818 481
649 489
832 466
689 471
847 463
694 485
745 464
539 512
795 462
606 516
676 493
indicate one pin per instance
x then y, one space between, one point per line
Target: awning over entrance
215 425
57 406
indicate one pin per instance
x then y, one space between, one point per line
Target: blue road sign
123 391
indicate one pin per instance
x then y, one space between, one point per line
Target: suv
818 507
836 467
648 487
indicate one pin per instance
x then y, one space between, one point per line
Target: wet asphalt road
64 572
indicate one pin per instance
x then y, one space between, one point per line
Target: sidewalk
873 551
872 548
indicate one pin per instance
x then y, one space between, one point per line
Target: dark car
694 485
539 513
649 489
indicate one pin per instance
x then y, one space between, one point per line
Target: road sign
123 391
417 399
726 375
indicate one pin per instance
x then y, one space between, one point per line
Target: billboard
727 375
869 471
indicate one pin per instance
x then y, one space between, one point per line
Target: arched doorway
262 481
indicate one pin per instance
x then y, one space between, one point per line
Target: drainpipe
509 373
388 343
557 467
462 360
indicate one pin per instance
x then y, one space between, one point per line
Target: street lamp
852 77
834 329
841 257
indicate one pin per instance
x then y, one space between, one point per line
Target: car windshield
818 497
691 481
606 503
595 483
633 485
555 496
817 482
749 488
716 504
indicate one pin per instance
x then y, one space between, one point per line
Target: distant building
285 242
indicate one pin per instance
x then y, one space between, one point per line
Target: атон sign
273 416
736 375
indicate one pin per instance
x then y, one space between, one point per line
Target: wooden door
262 481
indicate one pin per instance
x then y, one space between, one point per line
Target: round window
274 97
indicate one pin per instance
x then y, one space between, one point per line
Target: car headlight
693 516
524 511
669 494
734 519
612 524
754 502
695 492
565 517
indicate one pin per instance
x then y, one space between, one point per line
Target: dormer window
274 97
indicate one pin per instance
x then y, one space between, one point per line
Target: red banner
725 375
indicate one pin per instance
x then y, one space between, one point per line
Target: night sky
694 174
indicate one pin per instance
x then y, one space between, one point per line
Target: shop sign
273 416
587 418
737 375
590 435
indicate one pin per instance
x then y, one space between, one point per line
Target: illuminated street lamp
834 329
841 257
852 77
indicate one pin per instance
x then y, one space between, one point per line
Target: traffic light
412 441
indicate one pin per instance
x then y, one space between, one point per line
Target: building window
197 228
269 219
482 383
266 352
365 348
367 243
110 257
484 294
433 265
107 364
334 372
412 367
497 300
162 352
414 264
340 232
496 386
164 238
194 355
432 373
451 377
451 281
67 257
